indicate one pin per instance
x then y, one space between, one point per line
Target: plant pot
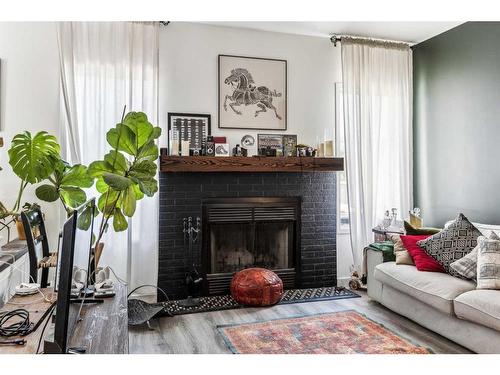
20 230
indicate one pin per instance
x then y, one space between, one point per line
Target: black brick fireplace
308 257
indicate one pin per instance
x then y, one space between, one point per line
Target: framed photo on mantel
190 128
252 93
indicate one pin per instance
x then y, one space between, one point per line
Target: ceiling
412 32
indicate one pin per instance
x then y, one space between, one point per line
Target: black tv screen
74 254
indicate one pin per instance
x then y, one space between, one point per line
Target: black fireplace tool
193 278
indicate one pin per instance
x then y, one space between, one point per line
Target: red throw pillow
422 261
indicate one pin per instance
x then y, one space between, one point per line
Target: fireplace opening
240 233
238 246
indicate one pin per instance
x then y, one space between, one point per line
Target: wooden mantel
171 164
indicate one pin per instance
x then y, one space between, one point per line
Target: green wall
457 124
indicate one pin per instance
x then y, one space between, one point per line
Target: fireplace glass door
235 246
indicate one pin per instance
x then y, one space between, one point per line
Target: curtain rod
338 38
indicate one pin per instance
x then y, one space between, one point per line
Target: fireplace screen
236 246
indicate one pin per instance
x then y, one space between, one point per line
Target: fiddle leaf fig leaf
129 201
101 186
116 181
47 193
78 176
117 162
122 138
148 187
138 123
138 193
33 159
85 219
148 152
97 169
108 201
143 170
119 221
72 196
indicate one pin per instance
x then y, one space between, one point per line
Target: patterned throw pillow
452 243
488 264
467 266
402 255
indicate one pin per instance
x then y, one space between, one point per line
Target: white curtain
377 91
104 66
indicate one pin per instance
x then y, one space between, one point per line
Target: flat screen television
75 250
82 256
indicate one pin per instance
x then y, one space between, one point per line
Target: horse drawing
245 92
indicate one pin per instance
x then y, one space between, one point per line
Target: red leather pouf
256 287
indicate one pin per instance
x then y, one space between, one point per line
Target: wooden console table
102 330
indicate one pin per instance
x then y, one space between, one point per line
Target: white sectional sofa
442 303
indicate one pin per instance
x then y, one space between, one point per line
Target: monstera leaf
33 159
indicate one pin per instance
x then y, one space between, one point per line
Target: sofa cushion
423 262
452 243
433 288
411 230
479 306
467 266
488 264
402 255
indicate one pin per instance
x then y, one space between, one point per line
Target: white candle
329 148
185 148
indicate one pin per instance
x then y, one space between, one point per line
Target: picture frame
222 150
273 141
289 144
252 93
192 127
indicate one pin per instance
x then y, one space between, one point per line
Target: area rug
225 302
343 332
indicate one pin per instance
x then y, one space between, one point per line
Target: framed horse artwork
252 93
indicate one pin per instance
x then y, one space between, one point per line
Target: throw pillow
467 266
488 264
402 255
411 230
452 243
423 262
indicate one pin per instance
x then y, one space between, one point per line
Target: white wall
29 100
188 74
188 82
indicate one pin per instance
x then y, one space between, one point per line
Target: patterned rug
344 332
215 303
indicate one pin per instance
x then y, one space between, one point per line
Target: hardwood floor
196 333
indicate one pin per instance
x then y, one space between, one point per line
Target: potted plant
36 159
33 159
127 172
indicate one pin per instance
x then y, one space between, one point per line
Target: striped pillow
488 264
467 265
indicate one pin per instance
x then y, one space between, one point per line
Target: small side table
381 234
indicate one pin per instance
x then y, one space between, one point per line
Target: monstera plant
127 172
37 158
33 159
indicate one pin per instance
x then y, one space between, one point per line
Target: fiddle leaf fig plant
33 159
127 173
66 183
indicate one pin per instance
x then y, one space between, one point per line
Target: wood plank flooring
197 333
